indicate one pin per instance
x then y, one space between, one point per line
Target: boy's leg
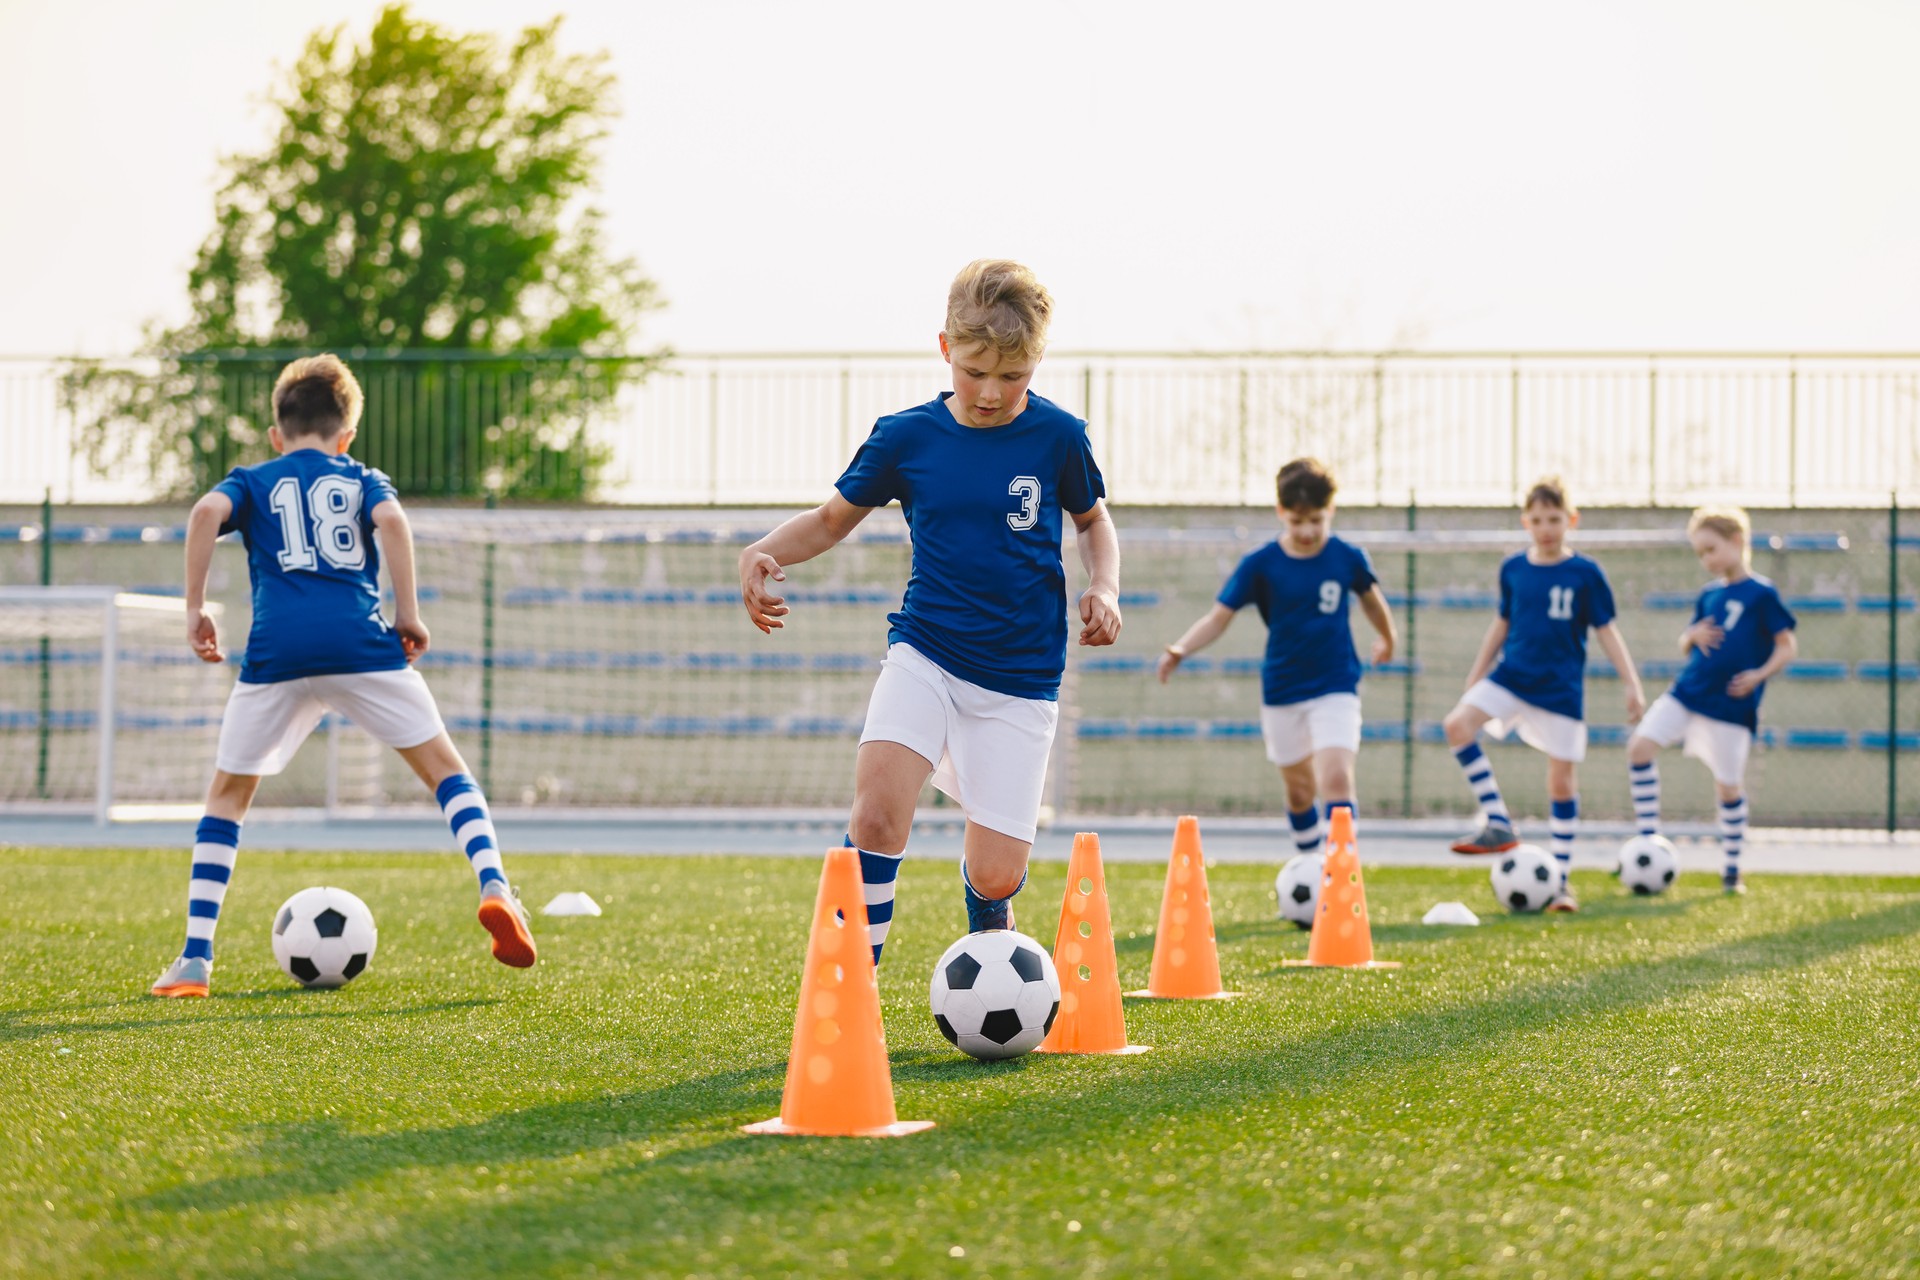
1733 833
1333 773
1303 807
1643 779
1564 825
216 846
1496 834
887 782
994 869
437 763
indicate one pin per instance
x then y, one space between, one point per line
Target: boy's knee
1459 727
998 883
875 828
1301 791
1562 781
1641 750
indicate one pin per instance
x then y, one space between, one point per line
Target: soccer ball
1526 878
1648 864
1298 885
323 937
995 994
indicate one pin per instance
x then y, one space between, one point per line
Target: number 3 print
1027 489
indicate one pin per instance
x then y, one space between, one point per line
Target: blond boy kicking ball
1530 676
1741 636
969 690
319 643
1304 583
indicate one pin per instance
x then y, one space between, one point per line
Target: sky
1468 176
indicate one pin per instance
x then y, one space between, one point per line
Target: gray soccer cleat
1494 836
187 976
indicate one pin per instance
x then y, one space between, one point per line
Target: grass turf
1684 1086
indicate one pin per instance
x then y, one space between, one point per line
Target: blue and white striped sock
1352 813
465 810
1644 779
1733 833
1307 831
1565 825
878 873
216 844
1479 771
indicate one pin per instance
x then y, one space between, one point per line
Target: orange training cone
838 1083
1342 937
1186 964
1091 1019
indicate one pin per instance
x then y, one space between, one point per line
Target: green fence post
486 659
1893 663
1407 656
46 653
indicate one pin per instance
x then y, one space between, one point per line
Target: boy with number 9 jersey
319 643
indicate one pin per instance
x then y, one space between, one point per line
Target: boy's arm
1099 543
396 541
1207 628
203 530
1380 615
798 540
1786 644
1489 651
1615 646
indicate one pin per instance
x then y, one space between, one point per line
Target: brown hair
1000 305
1550 491
1730 523
1305 483
316 396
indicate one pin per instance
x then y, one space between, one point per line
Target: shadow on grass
13 1025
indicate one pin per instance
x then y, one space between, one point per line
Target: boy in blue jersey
1303 583
318 642
1742 634
969 690
1530 676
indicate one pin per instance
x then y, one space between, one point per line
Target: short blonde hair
1731 523
1550 490
317 396
1000 305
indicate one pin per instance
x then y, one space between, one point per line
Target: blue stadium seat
1904 672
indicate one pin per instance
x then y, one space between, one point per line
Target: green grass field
1677 1087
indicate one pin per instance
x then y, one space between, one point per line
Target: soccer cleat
1565 904
988 913
1494 836
507 920
187 976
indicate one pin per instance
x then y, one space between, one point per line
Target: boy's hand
204 636
1744 683
1168 661
1636 704
1382 651
1100 616
414 637
1705 635
764 609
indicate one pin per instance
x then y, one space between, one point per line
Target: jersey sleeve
1081 484
235 489
1362 577
1700 606
1600 609
1775 614
1243 585
375 488
872 479
1506 589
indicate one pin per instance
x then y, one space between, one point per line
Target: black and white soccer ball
1298 886
323 937
995 994
1648 864
1526 878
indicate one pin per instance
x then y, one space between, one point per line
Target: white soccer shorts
266 723
1560 737
1295 730
989 750
1722 747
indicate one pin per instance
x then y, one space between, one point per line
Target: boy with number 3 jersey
319 643
969 690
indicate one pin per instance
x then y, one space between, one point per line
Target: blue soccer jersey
1306 604
1752 614
1549 609
987 597
307 520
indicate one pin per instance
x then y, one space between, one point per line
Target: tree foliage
424 190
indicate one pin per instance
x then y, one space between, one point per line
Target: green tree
425 191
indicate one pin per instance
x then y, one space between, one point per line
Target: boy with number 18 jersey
319 643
